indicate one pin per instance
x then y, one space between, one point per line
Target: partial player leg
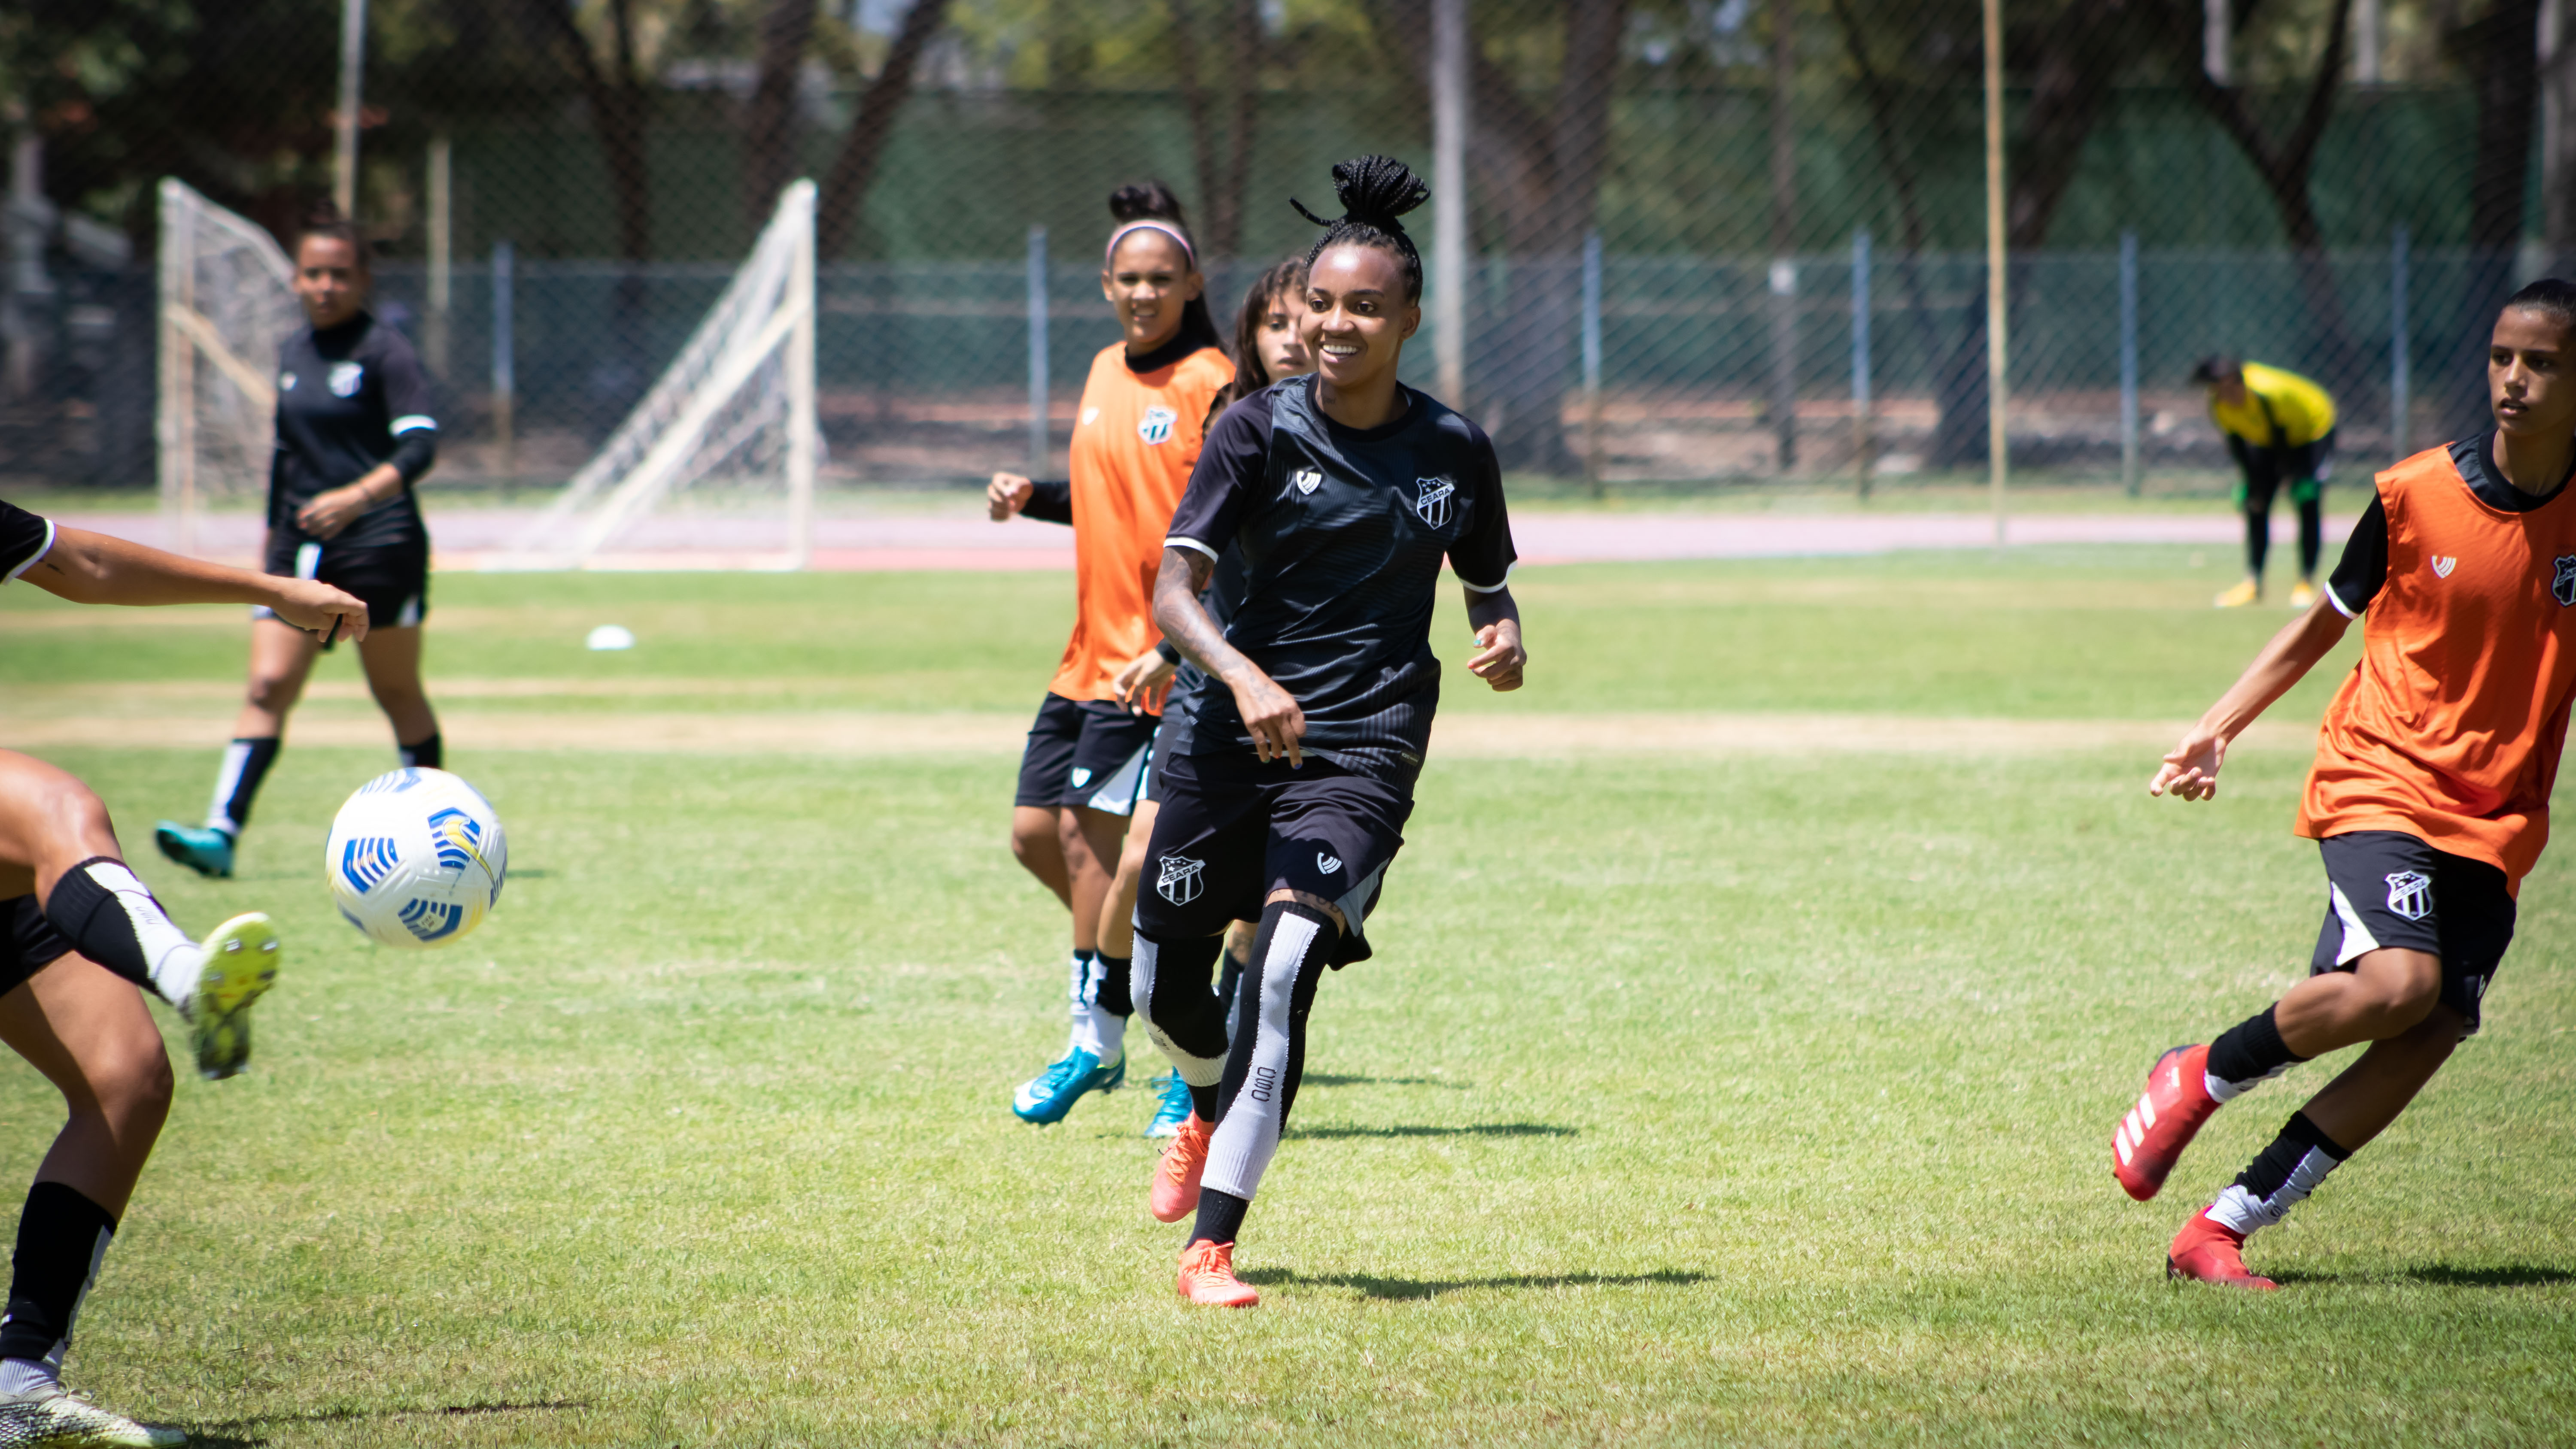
281 658
1187 1022
1095 1057
93 1038
2307 490
2262 480
1040 850
391 659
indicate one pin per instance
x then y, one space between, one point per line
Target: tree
1221 173
769 130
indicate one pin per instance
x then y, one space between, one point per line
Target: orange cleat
1207 1277
1176 1177
2169 1112
2208 1252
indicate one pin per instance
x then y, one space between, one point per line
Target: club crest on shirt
1156 425
1327 863
345 377
2563 586
1431 500
2410 894
1179 882
286 382
1307 479
2442 566
1089 416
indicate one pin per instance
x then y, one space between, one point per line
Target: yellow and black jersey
2281 410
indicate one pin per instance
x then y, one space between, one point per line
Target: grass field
1697 1096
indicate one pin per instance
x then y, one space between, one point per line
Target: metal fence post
1037 350
1861 449
2129 362
1592 360
2398 402
505 383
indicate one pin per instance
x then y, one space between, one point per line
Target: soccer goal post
715 467
227 300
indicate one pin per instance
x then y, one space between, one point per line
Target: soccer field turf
1697 1095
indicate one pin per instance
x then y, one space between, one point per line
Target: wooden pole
1449 281
353 62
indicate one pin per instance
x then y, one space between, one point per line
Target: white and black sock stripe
1268 1055
2280 1178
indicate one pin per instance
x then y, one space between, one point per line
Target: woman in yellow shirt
2280 426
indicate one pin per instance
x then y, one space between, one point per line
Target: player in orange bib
2430 794
1144 408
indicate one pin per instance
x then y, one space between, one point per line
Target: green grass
1690 1101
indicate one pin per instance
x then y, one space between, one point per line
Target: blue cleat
1045 1098
203 850
1173 1107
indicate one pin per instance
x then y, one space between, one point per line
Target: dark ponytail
1153 201
1251 374
1374 191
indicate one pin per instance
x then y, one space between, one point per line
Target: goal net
227 301
715 467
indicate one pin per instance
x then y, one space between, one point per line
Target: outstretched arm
2191 771
97 568
1497 621
1273 719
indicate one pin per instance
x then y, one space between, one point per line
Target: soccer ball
416 858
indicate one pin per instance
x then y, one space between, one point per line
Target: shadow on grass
2442 1275
1478 1129
1339 1079
1373 1286
241 1433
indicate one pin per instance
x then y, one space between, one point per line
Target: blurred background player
1134 442
2279 427
354 434
1267 348
2429 798
1291 770
81 939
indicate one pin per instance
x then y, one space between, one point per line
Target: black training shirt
349 399
1342 533
24 538
2364 565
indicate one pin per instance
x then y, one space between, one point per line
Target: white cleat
54 1418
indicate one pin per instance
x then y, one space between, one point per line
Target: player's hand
320 610
330 513
1007 494
1274 721
1137 680
1499 656
2191 771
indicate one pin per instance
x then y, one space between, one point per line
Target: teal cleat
1173 1107
204 850
1046 1097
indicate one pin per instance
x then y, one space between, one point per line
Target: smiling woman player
81 940
2429 798
1292 765
1134 442
354 433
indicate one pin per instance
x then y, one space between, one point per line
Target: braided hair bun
1148 201
1375 192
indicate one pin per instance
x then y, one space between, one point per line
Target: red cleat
1176 1177
2208 1252
1207 1277
2169 1113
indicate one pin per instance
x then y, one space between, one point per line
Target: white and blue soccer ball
417 858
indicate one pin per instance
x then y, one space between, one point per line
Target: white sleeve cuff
1176 541
34 558
2337 600
413 422
1495 587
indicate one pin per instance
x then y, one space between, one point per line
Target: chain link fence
1708 242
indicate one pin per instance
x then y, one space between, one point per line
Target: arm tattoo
1184 619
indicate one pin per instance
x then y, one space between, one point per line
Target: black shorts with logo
2386 888
393 582
28 942
1089 753
1231 830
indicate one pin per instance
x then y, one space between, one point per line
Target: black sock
115 922
2312 536
2250 1051
1109 984
1220 1216
2258 541
2280 1178
62 1235
426 755
245 765
1229 977
1179 1013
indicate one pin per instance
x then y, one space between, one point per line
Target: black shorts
393 582
2305 468
1231 830
2387 888
28 942
1165 742
1088 753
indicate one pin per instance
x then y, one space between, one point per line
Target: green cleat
205 850
241 963
57 1419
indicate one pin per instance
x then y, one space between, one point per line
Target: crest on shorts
1179 882
286 382
345 377
1307 479
2563 587
1156 425
2410 894
1081 776
1431 500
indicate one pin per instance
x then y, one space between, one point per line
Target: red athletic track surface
468 538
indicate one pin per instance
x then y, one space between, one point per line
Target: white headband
1109 252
